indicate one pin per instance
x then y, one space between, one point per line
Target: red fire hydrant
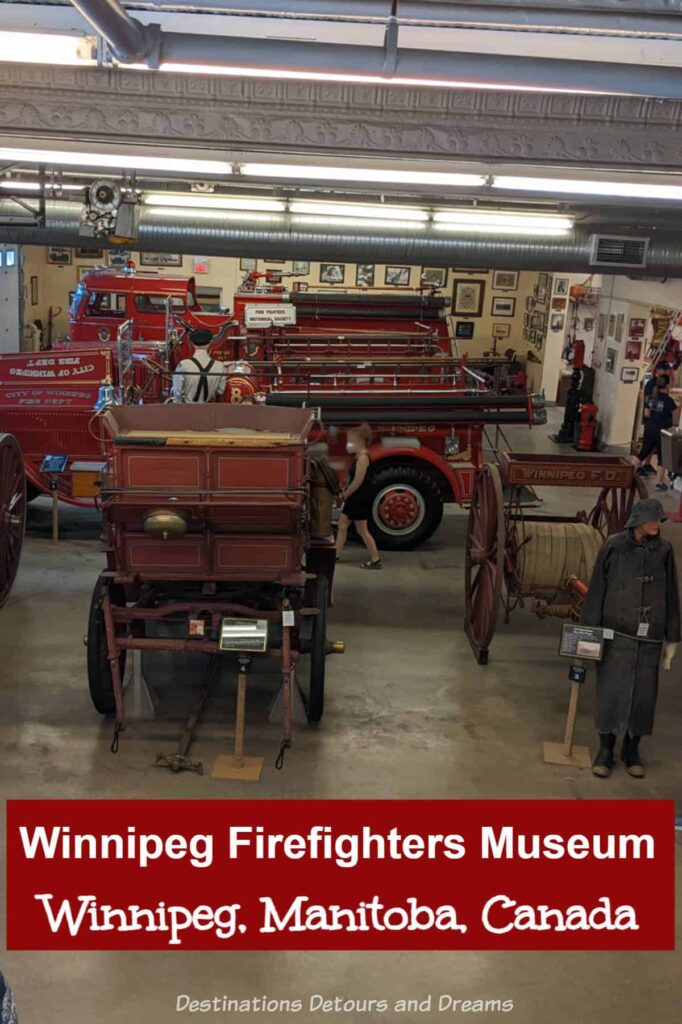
588 425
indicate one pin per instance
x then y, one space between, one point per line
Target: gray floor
409 714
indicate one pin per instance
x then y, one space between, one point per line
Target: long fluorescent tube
133 161
501 219
177 212
208 202
502 229
34 186
352 222
372 210
47 48
621 189
377 175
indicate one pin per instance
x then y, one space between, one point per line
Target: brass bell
164 523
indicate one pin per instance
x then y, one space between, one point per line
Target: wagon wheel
614 506
100 679
318 651
484 562
12 511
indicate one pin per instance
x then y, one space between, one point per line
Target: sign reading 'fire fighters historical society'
270 315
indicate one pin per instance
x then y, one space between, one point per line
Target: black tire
318 651
99 670
420 486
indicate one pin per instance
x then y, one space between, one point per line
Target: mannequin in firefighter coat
633 591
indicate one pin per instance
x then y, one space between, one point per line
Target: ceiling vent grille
618 251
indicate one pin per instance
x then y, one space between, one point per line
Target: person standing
658 415
357 496
633 592
8 1011
199 378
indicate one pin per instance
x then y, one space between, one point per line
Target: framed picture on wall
364 275
633 351
503 306
506 280
611 330
59 256
543 281
160 259
530 302
86 252
435 276
629 374
501 330
559 303
637 327
620 321
248 263
467 298
300 266
557 322
399 277
561 285
117 258
34 291
610 361
332 273
464 329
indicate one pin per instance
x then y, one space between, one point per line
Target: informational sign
38 367
581 641
282 314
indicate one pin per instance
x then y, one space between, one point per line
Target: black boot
631 758
603 762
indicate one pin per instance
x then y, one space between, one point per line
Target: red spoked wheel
614 506
12 511
484 561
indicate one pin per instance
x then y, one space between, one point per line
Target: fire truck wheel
407 507
318 651
99 669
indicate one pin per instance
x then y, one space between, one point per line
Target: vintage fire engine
384 359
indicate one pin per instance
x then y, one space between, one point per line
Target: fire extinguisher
586 426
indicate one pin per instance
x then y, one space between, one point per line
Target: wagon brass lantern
164 524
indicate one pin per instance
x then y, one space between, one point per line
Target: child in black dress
357 495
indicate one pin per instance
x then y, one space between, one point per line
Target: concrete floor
409 714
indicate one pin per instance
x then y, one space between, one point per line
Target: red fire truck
383 359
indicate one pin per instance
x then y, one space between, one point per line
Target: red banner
340 875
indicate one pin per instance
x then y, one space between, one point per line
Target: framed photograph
117 258
629 374
160 259
506 280
464 329
471 270
620 322
364 275
543 281
601 326
612 326
467 298
610 361
85 252
636 327
561 285
59 256
557 322
300 266
268 260
436 276
399 277
301 286
530 302
501 330
34 291
558 303
588 324
633 351
248 263
200 264
503 306
332 273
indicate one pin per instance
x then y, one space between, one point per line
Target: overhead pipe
284 237
134 43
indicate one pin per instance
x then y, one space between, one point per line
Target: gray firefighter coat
632 582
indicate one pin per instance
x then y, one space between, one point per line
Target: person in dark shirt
658 415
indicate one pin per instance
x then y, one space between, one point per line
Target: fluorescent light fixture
132 161
34 186
374 210
352 222
619 189
501 229
377 175
501 219
209 202
47 48
178 212
329 76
